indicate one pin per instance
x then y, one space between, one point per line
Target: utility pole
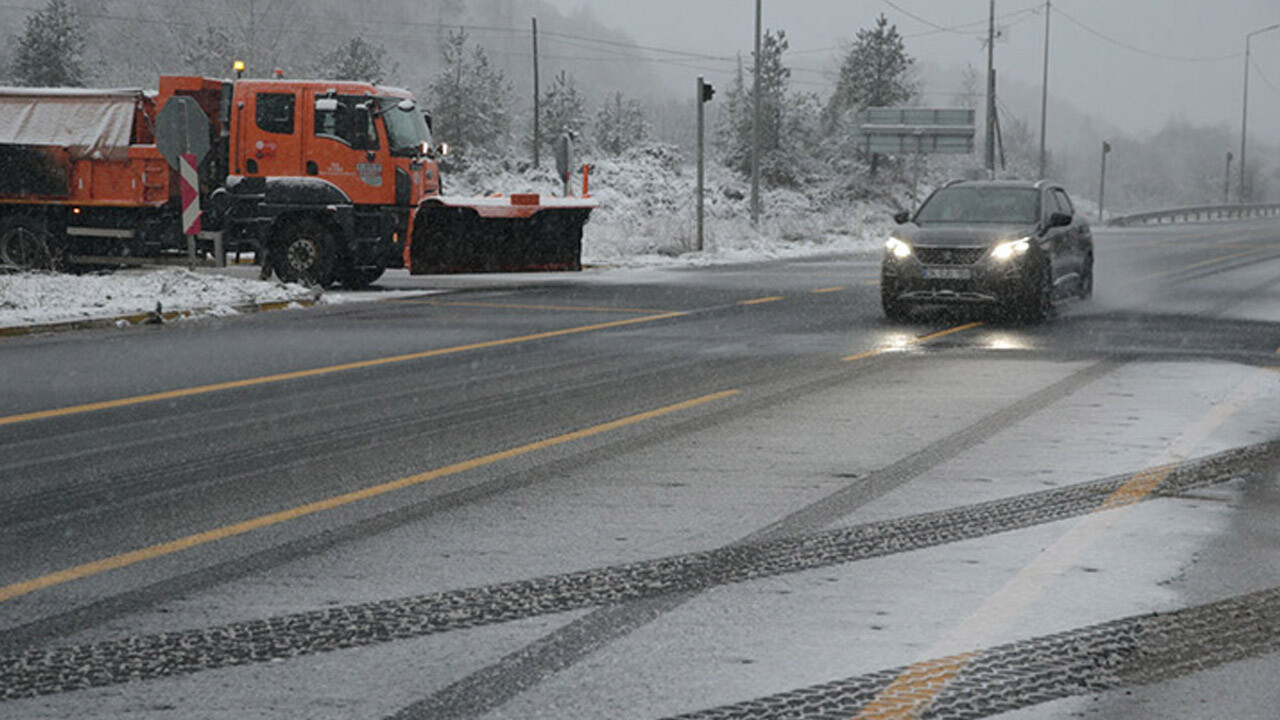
991 93
755 130
1044 91
1102 184
537 101
1226 181
1244 113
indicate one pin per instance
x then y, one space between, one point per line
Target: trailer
323 181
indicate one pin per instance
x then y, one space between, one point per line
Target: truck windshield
407 132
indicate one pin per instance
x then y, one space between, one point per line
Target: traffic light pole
700 100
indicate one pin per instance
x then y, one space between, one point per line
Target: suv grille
950 255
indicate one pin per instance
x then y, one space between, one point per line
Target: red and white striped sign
190 194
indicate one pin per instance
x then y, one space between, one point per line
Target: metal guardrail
1194 214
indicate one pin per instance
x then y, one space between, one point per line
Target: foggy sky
1136 92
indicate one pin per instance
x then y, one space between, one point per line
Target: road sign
190 194
182 127
903 131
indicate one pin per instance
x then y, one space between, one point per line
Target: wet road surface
719 492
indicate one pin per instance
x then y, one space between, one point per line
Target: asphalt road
733 491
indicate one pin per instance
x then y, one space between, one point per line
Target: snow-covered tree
210 52
786 138
876 72
356 59
620 125
51 51
563 110
469 97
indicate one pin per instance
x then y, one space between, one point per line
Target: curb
148 318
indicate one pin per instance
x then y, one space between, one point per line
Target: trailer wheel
25 244
304 254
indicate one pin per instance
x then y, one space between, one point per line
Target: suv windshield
1004 205
406 128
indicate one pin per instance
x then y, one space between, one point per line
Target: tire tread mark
45 671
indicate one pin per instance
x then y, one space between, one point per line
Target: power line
1267 81
1141 51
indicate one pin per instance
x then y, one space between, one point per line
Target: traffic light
708 92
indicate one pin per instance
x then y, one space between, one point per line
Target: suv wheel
894 309
1039 304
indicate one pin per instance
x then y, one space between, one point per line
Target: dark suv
1018 246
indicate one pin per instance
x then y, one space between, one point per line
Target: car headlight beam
898 248
1011 249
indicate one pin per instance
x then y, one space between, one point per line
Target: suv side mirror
1060 219
902 217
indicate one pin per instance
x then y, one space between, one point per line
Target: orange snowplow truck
323 181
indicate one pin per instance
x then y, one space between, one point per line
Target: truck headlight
1013 248
898 248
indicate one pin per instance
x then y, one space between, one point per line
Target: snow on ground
647 213
39 298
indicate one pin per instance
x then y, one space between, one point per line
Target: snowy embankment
647 214
43 298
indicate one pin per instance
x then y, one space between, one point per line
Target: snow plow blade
517 233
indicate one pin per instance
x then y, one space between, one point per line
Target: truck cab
325 176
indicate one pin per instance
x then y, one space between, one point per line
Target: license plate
946 273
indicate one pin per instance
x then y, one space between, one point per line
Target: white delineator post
190 200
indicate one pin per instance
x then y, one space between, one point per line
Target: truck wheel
304 254
353 278
25 244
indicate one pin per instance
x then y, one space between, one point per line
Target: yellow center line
914 341
171 547
948 331
760 301
824 290
517 306
1202 263
315 372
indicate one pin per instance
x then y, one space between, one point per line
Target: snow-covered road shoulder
30 300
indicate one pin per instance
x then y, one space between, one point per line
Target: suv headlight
898 248
1013 248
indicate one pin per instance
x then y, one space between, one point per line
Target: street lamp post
1244 113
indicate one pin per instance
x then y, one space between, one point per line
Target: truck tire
25 244
304 253
353 278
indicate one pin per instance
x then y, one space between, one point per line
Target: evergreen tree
785 119
563 110
50 52
620 125
210 52
357 59
470 97
876 72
